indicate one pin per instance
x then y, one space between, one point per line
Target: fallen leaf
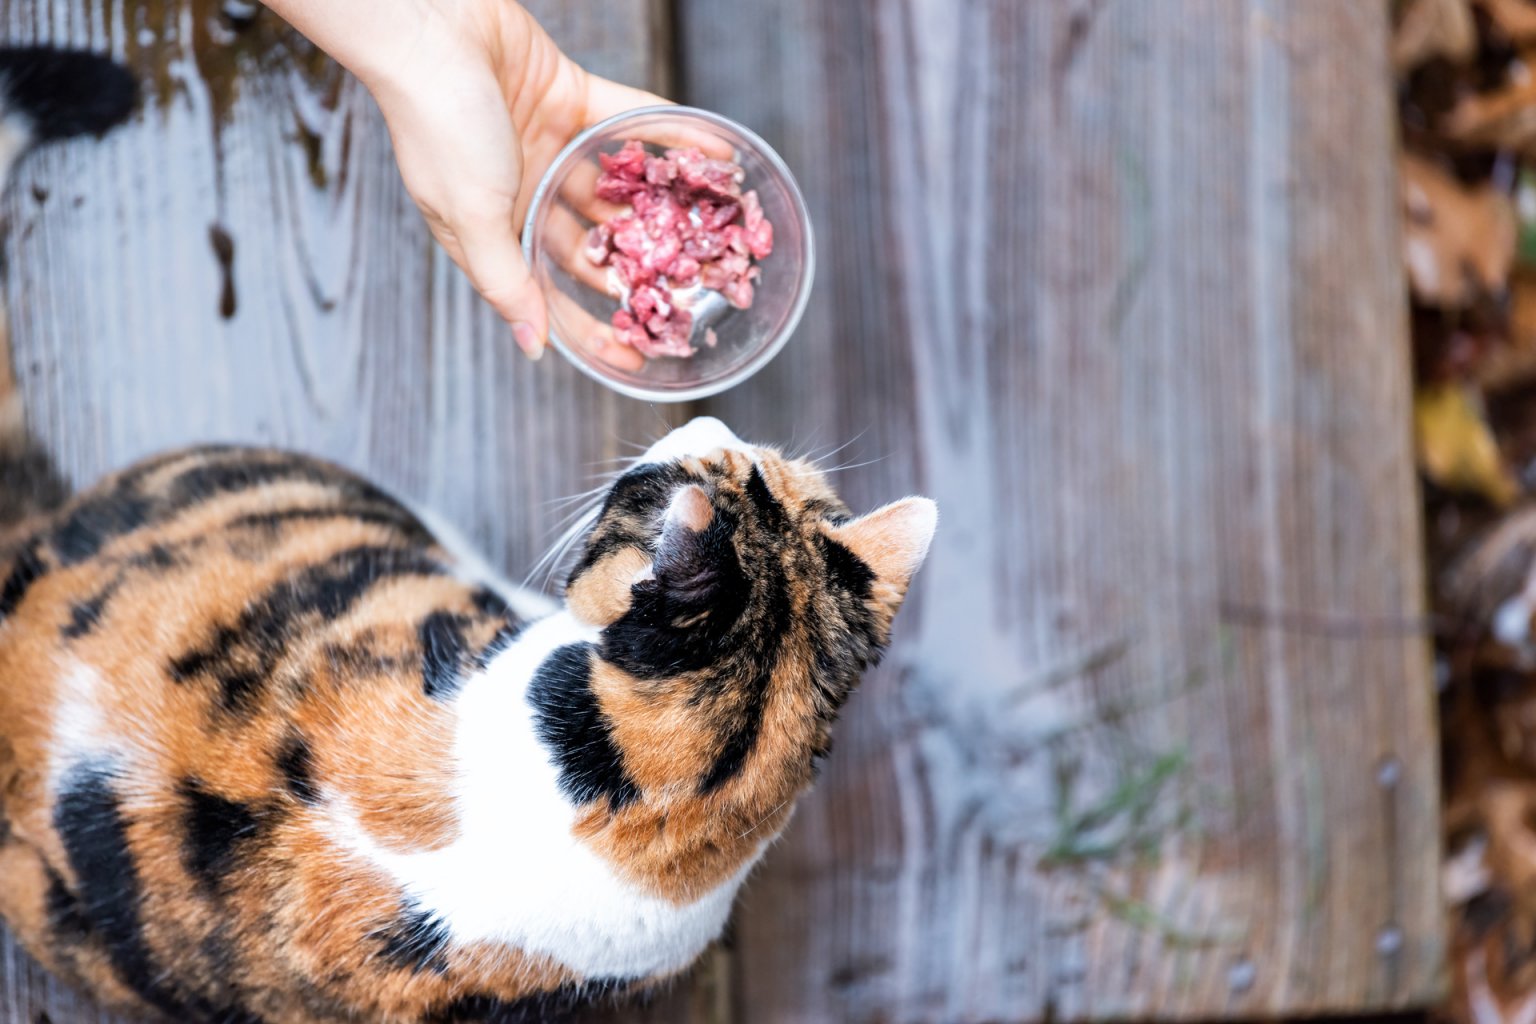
1456 448
1502 119
1457 241
1515 18
1433 28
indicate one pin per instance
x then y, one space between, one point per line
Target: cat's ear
891 542
686 563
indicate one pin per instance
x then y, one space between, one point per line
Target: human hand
479 101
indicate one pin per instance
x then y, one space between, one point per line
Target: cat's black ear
688 554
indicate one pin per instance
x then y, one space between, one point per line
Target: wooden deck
1116 282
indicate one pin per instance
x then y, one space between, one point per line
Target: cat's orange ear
892 541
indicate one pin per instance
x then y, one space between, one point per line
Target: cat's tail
45 94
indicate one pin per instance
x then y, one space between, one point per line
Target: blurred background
1154 296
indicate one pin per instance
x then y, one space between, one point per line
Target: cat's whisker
855 465
583 520
822 456
571 499
764 818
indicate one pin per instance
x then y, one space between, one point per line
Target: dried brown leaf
1515 18
1433 28
1509 810
1458 242
1502 119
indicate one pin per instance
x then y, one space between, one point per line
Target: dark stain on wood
224 251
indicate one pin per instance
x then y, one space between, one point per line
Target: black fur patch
770 511
491 604
67 922
625 518
216 830
65 92
547 1008
296 762
416 941
363 658
501 641
97 521
252 468
572 725
846 570
242 657
739 742
249 470
488 602
90 823
29 568
394 518
159 557
443 649
747 722
688 624
29 482
85 615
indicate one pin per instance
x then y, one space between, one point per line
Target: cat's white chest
516 875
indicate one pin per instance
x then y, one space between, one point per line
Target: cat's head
734 580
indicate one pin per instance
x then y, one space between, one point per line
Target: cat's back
199 658
215 588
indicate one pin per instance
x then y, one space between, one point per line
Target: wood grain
1118 283
332 323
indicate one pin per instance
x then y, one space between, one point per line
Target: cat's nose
699 436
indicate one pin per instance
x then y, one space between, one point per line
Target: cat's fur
271 749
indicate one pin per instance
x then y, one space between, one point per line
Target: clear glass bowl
580 306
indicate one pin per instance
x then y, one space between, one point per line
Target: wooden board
1118 283
332 323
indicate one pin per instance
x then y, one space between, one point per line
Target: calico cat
274 748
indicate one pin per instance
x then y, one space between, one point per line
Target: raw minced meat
687 225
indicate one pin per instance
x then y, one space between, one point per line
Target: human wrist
381 42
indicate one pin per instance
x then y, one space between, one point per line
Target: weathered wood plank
1117 282
334 325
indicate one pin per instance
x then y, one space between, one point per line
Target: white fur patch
80 730
699 436
516 874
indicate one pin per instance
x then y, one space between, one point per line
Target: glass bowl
578 291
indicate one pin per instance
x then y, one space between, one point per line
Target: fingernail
527 339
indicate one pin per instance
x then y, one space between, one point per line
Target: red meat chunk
687 222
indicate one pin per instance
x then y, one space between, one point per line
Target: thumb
493 259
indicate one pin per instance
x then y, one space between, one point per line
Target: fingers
580 191
565 237
584 332
493 259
